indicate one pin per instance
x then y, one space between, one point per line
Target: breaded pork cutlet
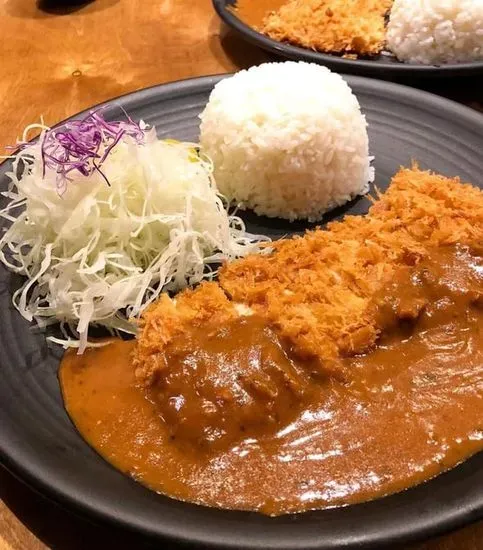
333 26
316 291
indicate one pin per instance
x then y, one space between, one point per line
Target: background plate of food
381 38
322 391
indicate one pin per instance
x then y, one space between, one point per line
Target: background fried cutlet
316 290
334 26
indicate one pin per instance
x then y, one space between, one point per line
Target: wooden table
56 62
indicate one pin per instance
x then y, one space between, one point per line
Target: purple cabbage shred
83 145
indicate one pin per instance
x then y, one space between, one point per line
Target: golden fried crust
334 26
206 305
316 290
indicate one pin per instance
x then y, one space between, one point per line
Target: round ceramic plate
39 444
382 66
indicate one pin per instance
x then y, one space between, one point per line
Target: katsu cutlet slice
333 26
168 319
315 291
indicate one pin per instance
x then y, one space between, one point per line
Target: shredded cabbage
105 247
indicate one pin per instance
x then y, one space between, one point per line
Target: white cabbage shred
98 254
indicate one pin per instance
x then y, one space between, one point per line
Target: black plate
39 444
386 67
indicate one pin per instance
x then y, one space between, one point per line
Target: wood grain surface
58 58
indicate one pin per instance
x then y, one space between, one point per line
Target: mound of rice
287 140
436 31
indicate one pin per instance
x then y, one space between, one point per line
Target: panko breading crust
316 290
334 26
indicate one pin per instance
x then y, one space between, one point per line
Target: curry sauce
254 12
237 421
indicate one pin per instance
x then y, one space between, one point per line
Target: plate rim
382 69
447 521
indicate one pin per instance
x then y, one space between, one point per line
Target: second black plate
381 67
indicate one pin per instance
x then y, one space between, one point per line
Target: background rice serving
436 31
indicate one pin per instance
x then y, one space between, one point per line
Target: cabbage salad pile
104 217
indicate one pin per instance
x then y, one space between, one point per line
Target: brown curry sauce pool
399 415
254 12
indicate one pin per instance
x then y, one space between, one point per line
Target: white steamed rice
436 31
287 140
